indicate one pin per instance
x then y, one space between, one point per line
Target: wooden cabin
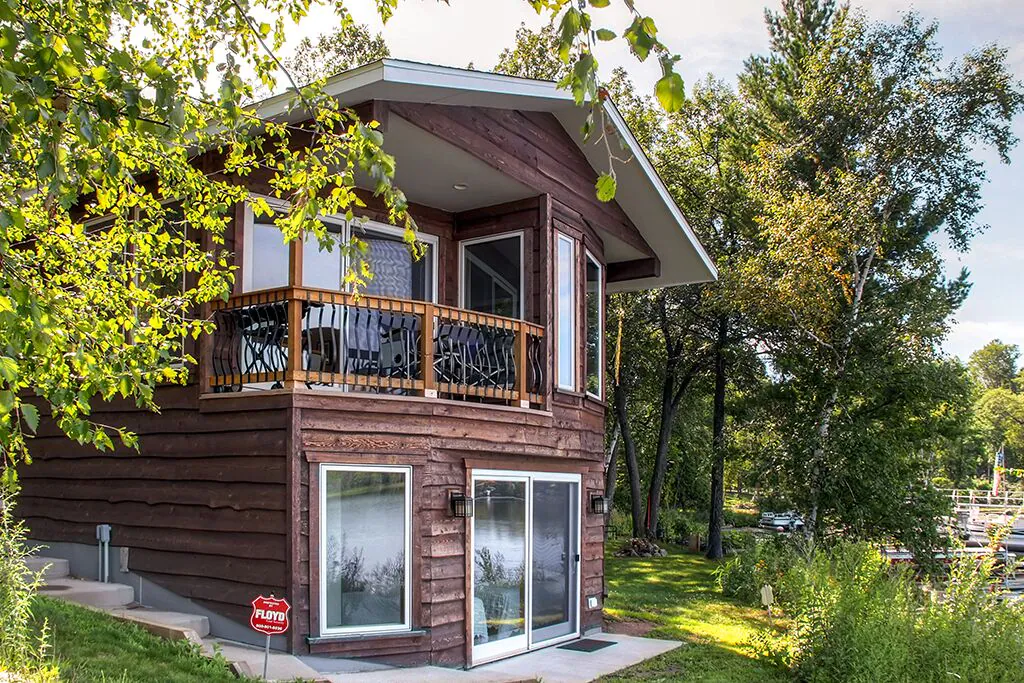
417 469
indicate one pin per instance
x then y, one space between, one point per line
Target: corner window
595 327
365 548
565 310
492 275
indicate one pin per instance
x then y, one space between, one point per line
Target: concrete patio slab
423 674
248 660
553 665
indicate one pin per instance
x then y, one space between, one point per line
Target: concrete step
92 593
161 619
51 567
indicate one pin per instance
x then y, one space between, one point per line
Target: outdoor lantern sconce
598 504
462 505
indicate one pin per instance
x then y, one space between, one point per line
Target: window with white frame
365 548
396 273
595 327
492 275
565 311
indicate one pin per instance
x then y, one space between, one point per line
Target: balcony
293 336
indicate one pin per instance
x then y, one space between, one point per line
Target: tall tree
865 157
350 46
703 157
533 55
994 365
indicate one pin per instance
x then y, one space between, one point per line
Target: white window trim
345 237
574 341
521 234
407 612
588 256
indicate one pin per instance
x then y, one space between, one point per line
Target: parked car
782 521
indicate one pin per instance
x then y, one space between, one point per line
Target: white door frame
521 644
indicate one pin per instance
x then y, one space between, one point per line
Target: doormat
587 645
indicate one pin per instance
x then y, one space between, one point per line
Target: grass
678 595
92 646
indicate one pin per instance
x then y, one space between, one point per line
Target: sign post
270 617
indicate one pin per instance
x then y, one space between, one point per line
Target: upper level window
323 268
565 311
365 548
492 275
396 274
264 254
595 327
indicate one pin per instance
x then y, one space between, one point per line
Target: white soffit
641 193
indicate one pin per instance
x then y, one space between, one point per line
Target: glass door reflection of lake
499 528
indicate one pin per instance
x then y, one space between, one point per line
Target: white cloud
970 335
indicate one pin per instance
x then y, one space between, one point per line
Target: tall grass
23 646
852 617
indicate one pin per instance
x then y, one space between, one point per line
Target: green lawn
678 595
91 646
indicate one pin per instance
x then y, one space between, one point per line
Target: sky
716 37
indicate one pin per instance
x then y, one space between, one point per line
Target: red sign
269 615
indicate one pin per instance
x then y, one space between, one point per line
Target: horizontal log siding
440 439
202 505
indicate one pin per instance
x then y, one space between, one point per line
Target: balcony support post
427 353
293 369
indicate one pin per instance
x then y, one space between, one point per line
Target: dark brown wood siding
443 441
202 505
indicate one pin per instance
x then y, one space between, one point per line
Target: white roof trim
453 82
641 157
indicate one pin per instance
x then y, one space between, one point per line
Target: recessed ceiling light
460 186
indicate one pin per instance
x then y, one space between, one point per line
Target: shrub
735 541
765 561
853 617
740 517
676 526
619 524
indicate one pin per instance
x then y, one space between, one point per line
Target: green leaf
606 187
670 91
66 68
46 166
31 416
605 34
600 3
8 369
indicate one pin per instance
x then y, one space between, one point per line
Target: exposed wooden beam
566 176
637 269
373 110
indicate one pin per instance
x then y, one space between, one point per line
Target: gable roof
641 193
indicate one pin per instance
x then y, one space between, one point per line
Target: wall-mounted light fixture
598 504
461 504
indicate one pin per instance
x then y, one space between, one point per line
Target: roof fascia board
652 176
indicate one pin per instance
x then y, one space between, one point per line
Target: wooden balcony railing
391 346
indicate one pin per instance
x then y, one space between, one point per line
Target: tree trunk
632 468
842 354
611 476
671 395
718 446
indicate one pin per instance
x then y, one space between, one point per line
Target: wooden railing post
522 383
294 368
427 353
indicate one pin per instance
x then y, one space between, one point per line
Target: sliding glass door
525 573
